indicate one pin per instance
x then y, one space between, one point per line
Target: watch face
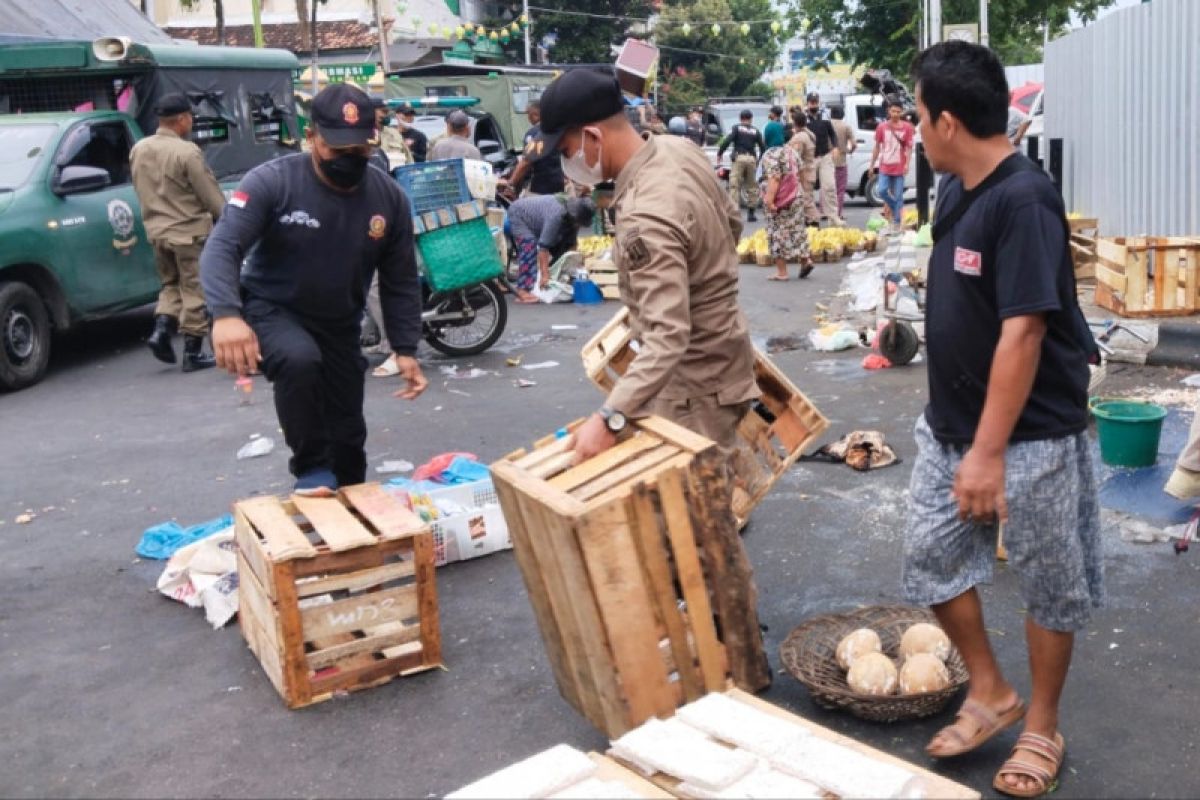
616 422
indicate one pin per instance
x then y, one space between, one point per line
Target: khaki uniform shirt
805 145
179 196
391 142
675 252
844 134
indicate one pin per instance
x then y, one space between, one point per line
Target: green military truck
72 245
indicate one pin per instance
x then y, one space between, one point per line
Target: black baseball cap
406 109
577 97
814 96
171 104
344 116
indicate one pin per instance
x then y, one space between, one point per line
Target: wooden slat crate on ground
934 785
1084 233
336 594
772 435
603 273
1148 276
638 579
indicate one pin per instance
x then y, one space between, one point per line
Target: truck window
869 117
445 91
21 147
105 145
522 96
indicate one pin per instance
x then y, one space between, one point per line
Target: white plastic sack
205 574
481 179
832 338
555 292
864 283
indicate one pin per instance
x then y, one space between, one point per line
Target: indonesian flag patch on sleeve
239 199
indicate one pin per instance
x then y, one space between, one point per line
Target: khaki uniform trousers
705 416
181 297
808 179
743 189
828 180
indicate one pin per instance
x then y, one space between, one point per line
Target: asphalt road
109 689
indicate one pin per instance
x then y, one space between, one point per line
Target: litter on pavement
258 446
204 573
541 365
163 540
392 467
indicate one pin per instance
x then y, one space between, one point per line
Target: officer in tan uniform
676 257
180 198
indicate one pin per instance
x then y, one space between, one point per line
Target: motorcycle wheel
484 315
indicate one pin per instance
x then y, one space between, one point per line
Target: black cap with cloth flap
577 97
344 116
171 104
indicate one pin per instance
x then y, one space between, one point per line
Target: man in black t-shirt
312 229
545 174
1003 441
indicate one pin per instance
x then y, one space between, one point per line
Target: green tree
728 60
886 34
585 39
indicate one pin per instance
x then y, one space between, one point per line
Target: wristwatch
613 420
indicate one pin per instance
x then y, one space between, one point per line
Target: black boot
750 217
160 340
193 357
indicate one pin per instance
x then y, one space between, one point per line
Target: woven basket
809 653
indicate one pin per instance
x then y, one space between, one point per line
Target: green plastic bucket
1129 431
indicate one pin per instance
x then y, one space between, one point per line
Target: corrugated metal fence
1124 96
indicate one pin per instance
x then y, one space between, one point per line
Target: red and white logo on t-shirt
968 262
239 199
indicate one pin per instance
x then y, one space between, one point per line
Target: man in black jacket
312 229
747 144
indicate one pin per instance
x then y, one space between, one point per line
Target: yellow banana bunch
754 243
593 245
835 239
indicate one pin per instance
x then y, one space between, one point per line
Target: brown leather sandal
987 724
1044 779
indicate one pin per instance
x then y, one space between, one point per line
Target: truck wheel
24 336
871 192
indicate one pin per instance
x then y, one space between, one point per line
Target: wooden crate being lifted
1148 276
336 594
773 434
638 579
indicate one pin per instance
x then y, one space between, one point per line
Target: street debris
541 365
24 519
256 447
459 392
781 344
524 383
393 467
514 362
564 327
860 450
832 338
475 372
204 573
876 361
165 539
1192 380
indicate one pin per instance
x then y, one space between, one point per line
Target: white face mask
577 169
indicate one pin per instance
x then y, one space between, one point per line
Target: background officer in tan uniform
676 255
180 198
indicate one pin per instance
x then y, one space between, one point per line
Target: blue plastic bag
464 470
162 540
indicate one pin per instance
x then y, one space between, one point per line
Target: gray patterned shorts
1052 534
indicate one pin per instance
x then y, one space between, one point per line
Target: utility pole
935 21
983 22
925 24
256 10
383 53
528 29
312 32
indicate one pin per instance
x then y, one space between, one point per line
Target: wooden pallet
638 579
603 273
1148 276
775 432
336 594
935 785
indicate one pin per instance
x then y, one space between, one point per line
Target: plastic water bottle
244 386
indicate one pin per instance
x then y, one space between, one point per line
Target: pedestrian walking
416 141
694 130
544 227
893 147
676 258
846 145
312 229
773 131
180 198
1003 440
827 151
787 235
545 175
805 145
457 141
747 144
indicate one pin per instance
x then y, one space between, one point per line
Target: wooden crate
1148 276
638 579
776 431
603 273
936 785
1084 233
336 594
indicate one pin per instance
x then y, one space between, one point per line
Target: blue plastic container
431 185
587 293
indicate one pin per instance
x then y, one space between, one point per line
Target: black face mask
344 171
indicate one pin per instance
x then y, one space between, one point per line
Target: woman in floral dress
786 233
